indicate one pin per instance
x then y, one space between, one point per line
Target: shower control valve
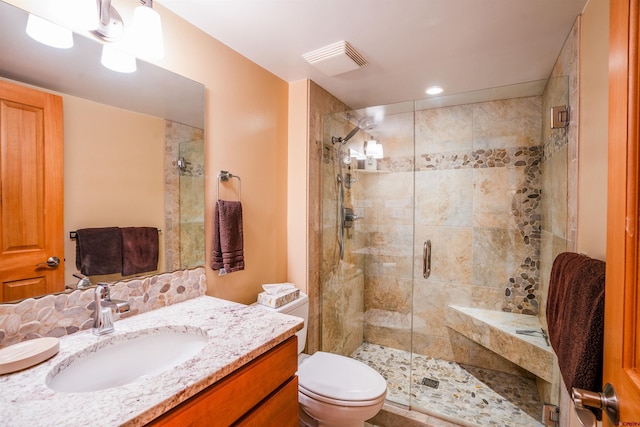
349 217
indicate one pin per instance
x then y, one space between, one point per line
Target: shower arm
362 124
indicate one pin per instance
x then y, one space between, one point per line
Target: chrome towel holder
224 176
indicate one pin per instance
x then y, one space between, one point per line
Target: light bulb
147 33
117 60
77 14
46 32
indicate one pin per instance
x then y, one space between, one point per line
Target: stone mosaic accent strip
67 313
520 293
483 158
466 395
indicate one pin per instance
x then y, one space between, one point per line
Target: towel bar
74 234
224 176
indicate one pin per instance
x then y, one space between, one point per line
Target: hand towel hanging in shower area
140 249
99 251
228 246
575 316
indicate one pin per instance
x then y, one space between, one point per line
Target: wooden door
622 297
31 189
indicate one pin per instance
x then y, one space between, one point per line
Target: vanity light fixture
145 38
121 48
80 15
77 14
356 154
147 29
434 90
374 149
48 33
118 60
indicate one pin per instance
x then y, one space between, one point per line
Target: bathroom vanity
264 392
244 375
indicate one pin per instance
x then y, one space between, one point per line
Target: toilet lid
340 378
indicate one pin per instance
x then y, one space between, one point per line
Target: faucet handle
103 292
83 281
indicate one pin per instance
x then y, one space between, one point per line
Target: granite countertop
237 334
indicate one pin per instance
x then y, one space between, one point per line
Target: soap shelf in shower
368 171
496 330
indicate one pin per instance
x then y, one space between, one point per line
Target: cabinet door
31 191
279 410
265 382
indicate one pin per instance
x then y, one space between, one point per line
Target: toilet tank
298 308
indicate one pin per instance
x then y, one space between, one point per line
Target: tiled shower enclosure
465 177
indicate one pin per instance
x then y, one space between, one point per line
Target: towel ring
224 176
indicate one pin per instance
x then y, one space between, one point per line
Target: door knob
52 262
607 401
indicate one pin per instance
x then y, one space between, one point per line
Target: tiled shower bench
496 330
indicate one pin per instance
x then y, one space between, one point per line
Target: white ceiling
461 45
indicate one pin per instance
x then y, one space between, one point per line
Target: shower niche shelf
496 330
368 171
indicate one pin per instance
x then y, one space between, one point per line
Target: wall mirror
134 143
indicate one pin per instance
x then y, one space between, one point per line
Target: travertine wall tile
444 129
183 201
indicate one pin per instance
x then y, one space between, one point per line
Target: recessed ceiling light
434 90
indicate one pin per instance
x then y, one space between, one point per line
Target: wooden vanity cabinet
262 393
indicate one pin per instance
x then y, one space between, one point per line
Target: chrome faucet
105 307
83 281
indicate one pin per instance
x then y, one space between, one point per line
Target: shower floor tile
465 394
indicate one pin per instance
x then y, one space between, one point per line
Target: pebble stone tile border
66 313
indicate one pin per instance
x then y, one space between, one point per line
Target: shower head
364 124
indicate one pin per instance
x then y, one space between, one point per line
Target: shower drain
429 382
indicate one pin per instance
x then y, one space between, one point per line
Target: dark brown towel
99 251
140 248
575 316
228 246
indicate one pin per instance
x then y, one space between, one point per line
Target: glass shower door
367 292
478 201
191 170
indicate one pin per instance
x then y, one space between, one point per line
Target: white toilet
333 390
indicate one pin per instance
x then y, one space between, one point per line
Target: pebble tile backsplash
63 314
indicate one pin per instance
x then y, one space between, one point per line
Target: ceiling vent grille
335 58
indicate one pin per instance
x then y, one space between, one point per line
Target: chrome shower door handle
426 259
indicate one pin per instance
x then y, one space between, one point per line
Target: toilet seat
340 380
337 402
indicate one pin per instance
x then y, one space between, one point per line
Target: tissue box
275 301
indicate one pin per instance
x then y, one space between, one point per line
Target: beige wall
101 163
246 134
297 229
592 148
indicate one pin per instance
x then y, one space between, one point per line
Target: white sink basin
126 358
